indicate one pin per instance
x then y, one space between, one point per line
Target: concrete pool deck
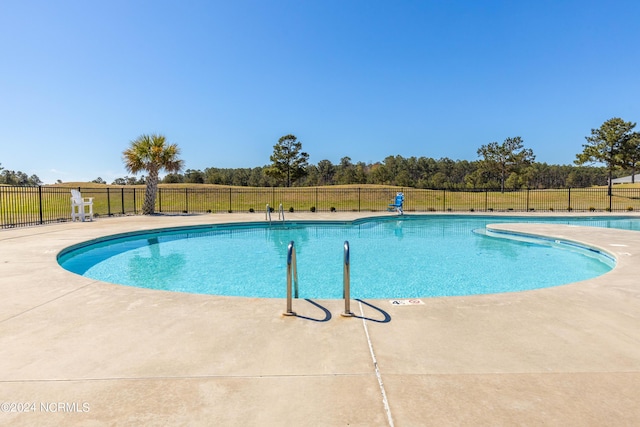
78 352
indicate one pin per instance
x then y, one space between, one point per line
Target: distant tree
474 179
362 170
10 177
631 155
461 169
241 177
586 176
505 158
326 172
151 153
438 180
345 171
194 176
131 180
289 161
514 181
173 178
445 173
255 177
609 144
311 177
34 180
99 180
213 176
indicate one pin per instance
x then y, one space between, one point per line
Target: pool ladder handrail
281 213
346 281
292 280
292 273
267 216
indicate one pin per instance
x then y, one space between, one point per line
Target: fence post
486 200
569 205
108 202
40 202
358 199
186 200
527 199
444 200
135 208
230 210
122 199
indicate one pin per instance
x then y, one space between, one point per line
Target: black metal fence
23 206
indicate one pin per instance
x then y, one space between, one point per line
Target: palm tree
151 153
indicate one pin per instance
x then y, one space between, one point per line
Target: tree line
11 177
509 164
422 172
506 166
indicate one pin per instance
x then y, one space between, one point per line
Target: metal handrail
292 272
281 212
267 216
346 282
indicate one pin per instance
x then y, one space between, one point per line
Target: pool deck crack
47 302
385 401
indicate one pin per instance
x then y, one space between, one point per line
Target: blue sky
359 78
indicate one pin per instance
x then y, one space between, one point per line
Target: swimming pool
391 257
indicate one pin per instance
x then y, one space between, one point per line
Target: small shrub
230 211
251 210
208 210
431 209
608 209
490 209
184 212
592 209
551 209
291 209
271 209
312 208
629 208
332 209
569 208
472 210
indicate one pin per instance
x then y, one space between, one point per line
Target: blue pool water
391 257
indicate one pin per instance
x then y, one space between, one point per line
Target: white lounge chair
79 205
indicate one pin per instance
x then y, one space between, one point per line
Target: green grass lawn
22 205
